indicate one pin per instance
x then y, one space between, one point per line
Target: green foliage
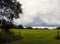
20 27
58 33
45 29
8 37
16 6
58 28
11 9
29 28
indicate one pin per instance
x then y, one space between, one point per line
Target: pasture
36 36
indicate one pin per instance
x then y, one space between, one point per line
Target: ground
36 36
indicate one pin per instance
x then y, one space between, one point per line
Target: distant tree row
22 27
18 27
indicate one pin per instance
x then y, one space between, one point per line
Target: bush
4 38
29 28
46 29
58 28
20 27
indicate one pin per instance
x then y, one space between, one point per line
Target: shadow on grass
9 37
57 37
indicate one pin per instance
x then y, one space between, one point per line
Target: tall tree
9 9
58 35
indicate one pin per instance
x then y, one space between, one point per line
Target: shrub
4 38
29 28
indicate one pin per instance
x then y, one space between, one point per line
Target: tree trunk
58 34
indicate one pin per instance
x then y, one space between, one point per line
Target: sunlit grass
36 36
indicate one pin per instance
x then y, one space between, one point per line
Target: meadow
36 36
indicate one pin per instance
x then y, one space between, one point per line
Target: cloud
39 12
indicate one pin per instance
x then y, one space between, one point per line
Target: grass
36 37
8 37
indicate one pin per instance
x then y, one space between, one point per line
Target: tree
58 28
29 28
9 9
20 27
58 36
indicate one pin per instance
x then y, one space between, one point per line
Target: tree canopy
9 9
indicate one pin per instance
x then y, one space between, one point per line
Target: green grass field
36 37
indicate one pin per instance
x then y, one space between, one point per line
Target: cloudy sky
39 12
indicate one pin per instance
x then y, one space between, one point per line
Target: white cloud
49 10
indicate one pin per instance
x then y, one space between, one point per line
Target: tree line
21 27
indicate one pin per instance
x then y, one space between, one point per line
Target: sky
39 12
